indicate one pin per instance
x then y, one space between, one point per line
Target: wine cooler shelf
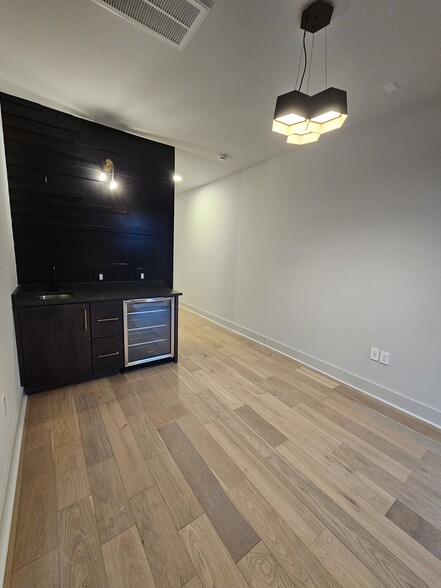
149 331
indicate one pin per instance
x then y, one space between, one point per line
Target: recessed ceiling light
177 178
391 87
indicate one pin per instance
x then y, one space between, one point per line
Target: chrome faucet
54 279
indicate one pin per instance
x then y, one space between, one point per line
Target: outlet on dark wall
64 216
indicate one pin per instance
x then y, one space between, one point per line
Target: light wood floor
237 467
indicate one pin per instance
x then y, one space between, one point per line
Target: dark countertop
27 295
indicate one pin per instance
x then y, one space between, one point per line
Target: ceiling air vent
173 21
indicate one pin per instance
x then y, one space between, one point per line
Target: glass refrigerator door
148 329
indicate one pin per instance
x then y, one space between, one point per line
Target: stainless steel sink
55 296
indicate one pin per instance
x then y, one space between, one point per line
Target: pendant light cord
305 58
326 58
310 63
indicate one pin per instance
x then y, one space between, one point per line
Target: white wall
328 251
9 377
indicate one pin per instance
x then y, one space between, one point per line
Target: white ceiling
218 94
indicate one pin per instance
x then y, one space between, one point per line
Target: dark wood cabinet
63 343
107 336
56 345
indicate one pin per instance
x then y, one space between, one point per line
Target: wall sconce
298 116
107 174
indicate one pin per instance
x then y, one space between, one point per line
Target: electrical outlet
101 277
374 354
141 276
4 406
385 357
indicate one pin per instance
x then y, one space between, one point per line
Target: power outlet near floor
385 357
377 354
374 354
4 406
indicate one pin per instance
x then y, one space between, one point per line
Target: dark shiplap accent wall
63 215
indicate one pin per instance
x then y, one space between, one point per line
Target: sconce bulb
102 177
113 185
177 178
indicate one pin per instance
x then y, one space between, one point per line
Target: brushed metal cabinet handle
86 322
105 320
109 354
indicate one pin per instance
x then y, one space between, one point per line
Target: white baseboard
421 411
9 486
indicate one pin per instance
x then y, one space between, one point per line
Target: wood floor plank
133 467
66 429
394 467
71 474
266 405
169 562
146 435
299 564
329 500
415 526
182 502
293 389
40 573
183 382
262 427
380 424
236 534
211 452
393 451
96 443
125 394
81 560
318 377
287 393
428 489
412 498
306 525
102 390
194 583
261 570
134 376
419 560
220 390
304 433
126 563
160 387
350 478
199 409
112 510
302 491
39 413
342 564
423 430
210 557
37 517
157 412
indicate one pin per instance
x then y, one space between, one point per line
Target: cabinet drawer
106 318
107 354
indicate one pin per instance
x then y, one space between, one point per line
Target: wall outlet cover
385 357
374 354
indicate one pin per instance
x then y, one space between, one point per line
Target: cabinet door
56 344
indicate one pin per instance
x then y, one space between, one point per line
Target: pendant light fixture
298 116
